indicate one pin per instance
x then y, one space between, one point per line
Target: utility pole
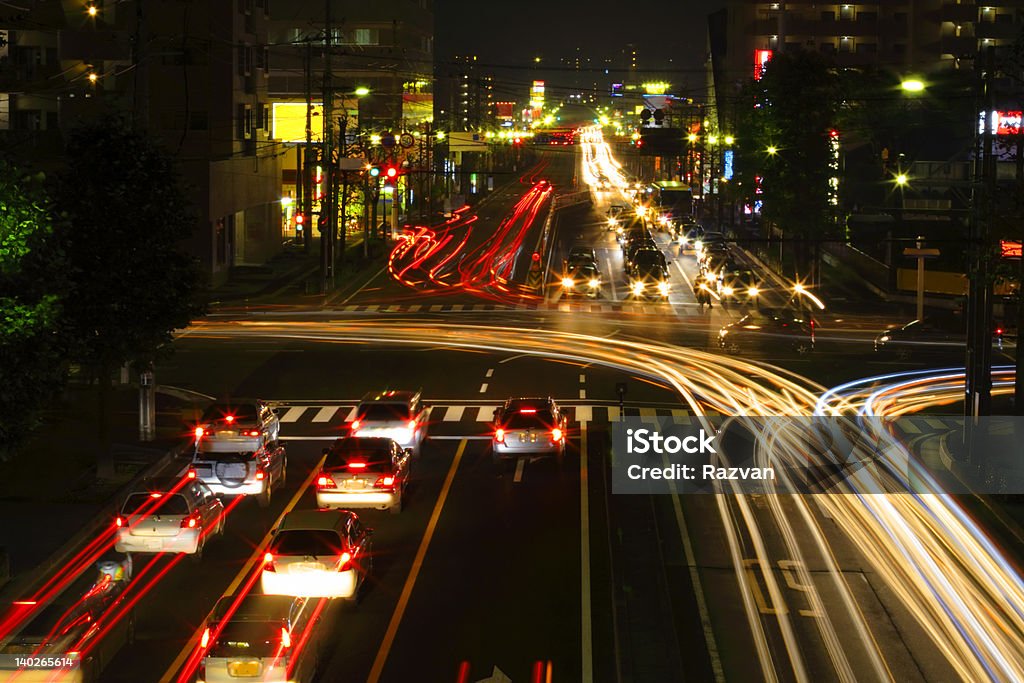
978 384
327 213
306 191
1018 382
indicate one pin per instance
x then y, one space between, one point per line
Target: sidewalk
50 492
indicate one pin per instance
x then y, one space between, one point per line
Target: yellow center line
417 564
242 573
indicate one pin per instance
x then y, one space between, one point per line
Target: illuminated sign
288 121
727 164
656 88
761 57
1007 122
1009 249
537 90
617 89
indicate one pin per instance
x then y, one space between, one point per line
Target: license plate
527 438
354 484
244 668
153 544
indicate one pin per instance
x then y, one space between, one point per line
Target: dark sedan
768 328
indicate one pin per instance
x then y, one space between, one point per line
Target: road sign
387 140
406 140
920 253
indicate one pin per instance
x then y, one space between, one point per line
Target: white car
318 554
237 426
363 472
397 415
253 473
168 515
265 638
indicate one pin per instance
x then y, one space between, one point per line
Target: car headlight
663 288
568 283
637 287
698 245
722 333
753 291
884 338
612 221
682 240
594 283
728 291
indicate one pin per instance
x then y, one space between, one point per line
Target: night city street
578 343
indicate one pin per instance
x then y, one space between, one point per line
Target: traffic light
374 171
299 220
391 172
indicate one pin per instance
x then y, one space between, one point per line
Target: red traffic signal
299 219
391 172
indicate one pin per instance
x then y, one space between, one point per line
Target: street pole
327 215
1018 386
306 193
920 280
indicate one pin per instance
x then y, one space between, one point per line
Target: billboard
617 89
288 121
505 110
761 57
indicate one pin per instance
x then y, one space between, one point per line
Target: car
398 415
245 473
689 236
579 254
939 335
739 285
583 279
634 248
261 638
318 554
235 426
617 212
168 515
635 228
528 426
90 621
759 328
649 275
364 472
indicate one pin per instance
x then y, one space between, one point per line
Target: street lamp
912 85
772 150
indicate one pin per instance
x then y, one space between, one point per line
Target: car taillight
324 481
556 434
357 465
191 474
412 425
252 432
199 433
384 482
205 640
119 521
229 418
345 559
190 522
268 563
355 425
499 435
260 475
286 638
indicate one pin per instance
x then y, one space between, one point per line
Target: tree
794 107
32 365
130 283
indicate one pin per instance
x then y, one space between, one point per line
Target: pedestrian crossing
654 309
322 420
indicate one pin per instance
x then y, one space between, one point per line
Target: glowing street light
729 139
362 91
92 10
901 179
93 77
692 137
912 85
799 289
713 139
772 150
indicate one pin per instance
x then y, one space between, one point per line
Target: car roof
315 519
389 396
159 484
255 607
362 443
529 402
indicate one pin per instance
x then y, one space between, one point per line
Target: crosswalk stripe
325 414
293 414
648 412
351 414
415 307
435 307
908 427
680 412
485 414
454 413
934 423
584 414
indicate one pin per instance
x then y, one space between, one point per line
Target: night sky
507 36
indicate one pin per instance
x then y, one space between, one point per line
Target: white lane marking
293 414
584 414
330 301
583 379
458 307
648 412
436 307
483 387
583 393
351 414
586 627
454 414
485 414
680 412
490 372
415 307
325 414
520 464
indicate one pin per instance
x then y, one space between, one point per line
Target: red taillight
260 475
556 434
527 411
999 330
252 432
205 640
199 432
412 425
345 559
190 522
357 465
268 563
119 521
499 435
286 638
229 418
325 482
384 482
191 474
355 425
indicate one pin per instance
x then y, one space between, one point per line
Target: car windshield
587 270
745 276
307 542
373 460
207 456
248 639
373 412
649 257
221 411
541 419
156 504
